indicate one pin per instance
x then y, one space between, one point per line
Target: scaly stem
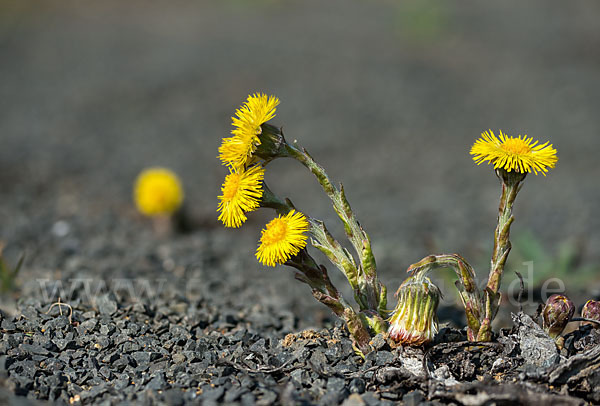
322 240
323 290
272 201
368 283
466 285
338 255
511 184
314 275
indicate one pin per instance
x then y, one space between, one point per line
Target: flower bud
414 321
272 143
556 314
591 310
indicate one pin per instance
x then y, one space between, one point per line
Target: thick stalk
511 184
369 284
323 290
323 241
338 255
272 201
314 275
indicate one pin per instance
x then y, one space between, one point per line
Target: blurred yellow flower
282 238
241 192
514 154
157 191
237 151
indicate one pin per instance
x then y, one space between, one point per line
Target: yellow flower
282 238
237 151
519 154
241 192
157 191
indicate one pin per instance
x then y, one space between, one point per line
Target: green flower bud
414 321
272 143
556 314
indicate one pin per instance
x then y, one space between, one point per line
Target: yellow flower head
282 238
237 151
157 191
514 154
241 192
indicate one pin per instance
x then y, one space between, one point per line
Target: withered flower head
414 321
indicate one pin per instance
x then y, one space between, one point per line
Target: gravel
147 352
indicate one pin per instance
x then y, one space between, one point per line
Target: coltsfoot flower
157 191
557 313
241 193
237 151
414 321
591 310
520 154
282 238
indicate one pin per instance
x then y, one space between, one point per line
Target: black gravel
173 350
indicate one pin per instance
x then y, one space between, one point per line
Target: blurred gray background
388 96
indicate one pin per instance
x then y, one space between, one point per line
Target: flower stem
272 201
338 255
316 276
323 290
368 283
511 184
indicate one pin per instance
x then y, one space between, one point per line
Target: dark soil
92 93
